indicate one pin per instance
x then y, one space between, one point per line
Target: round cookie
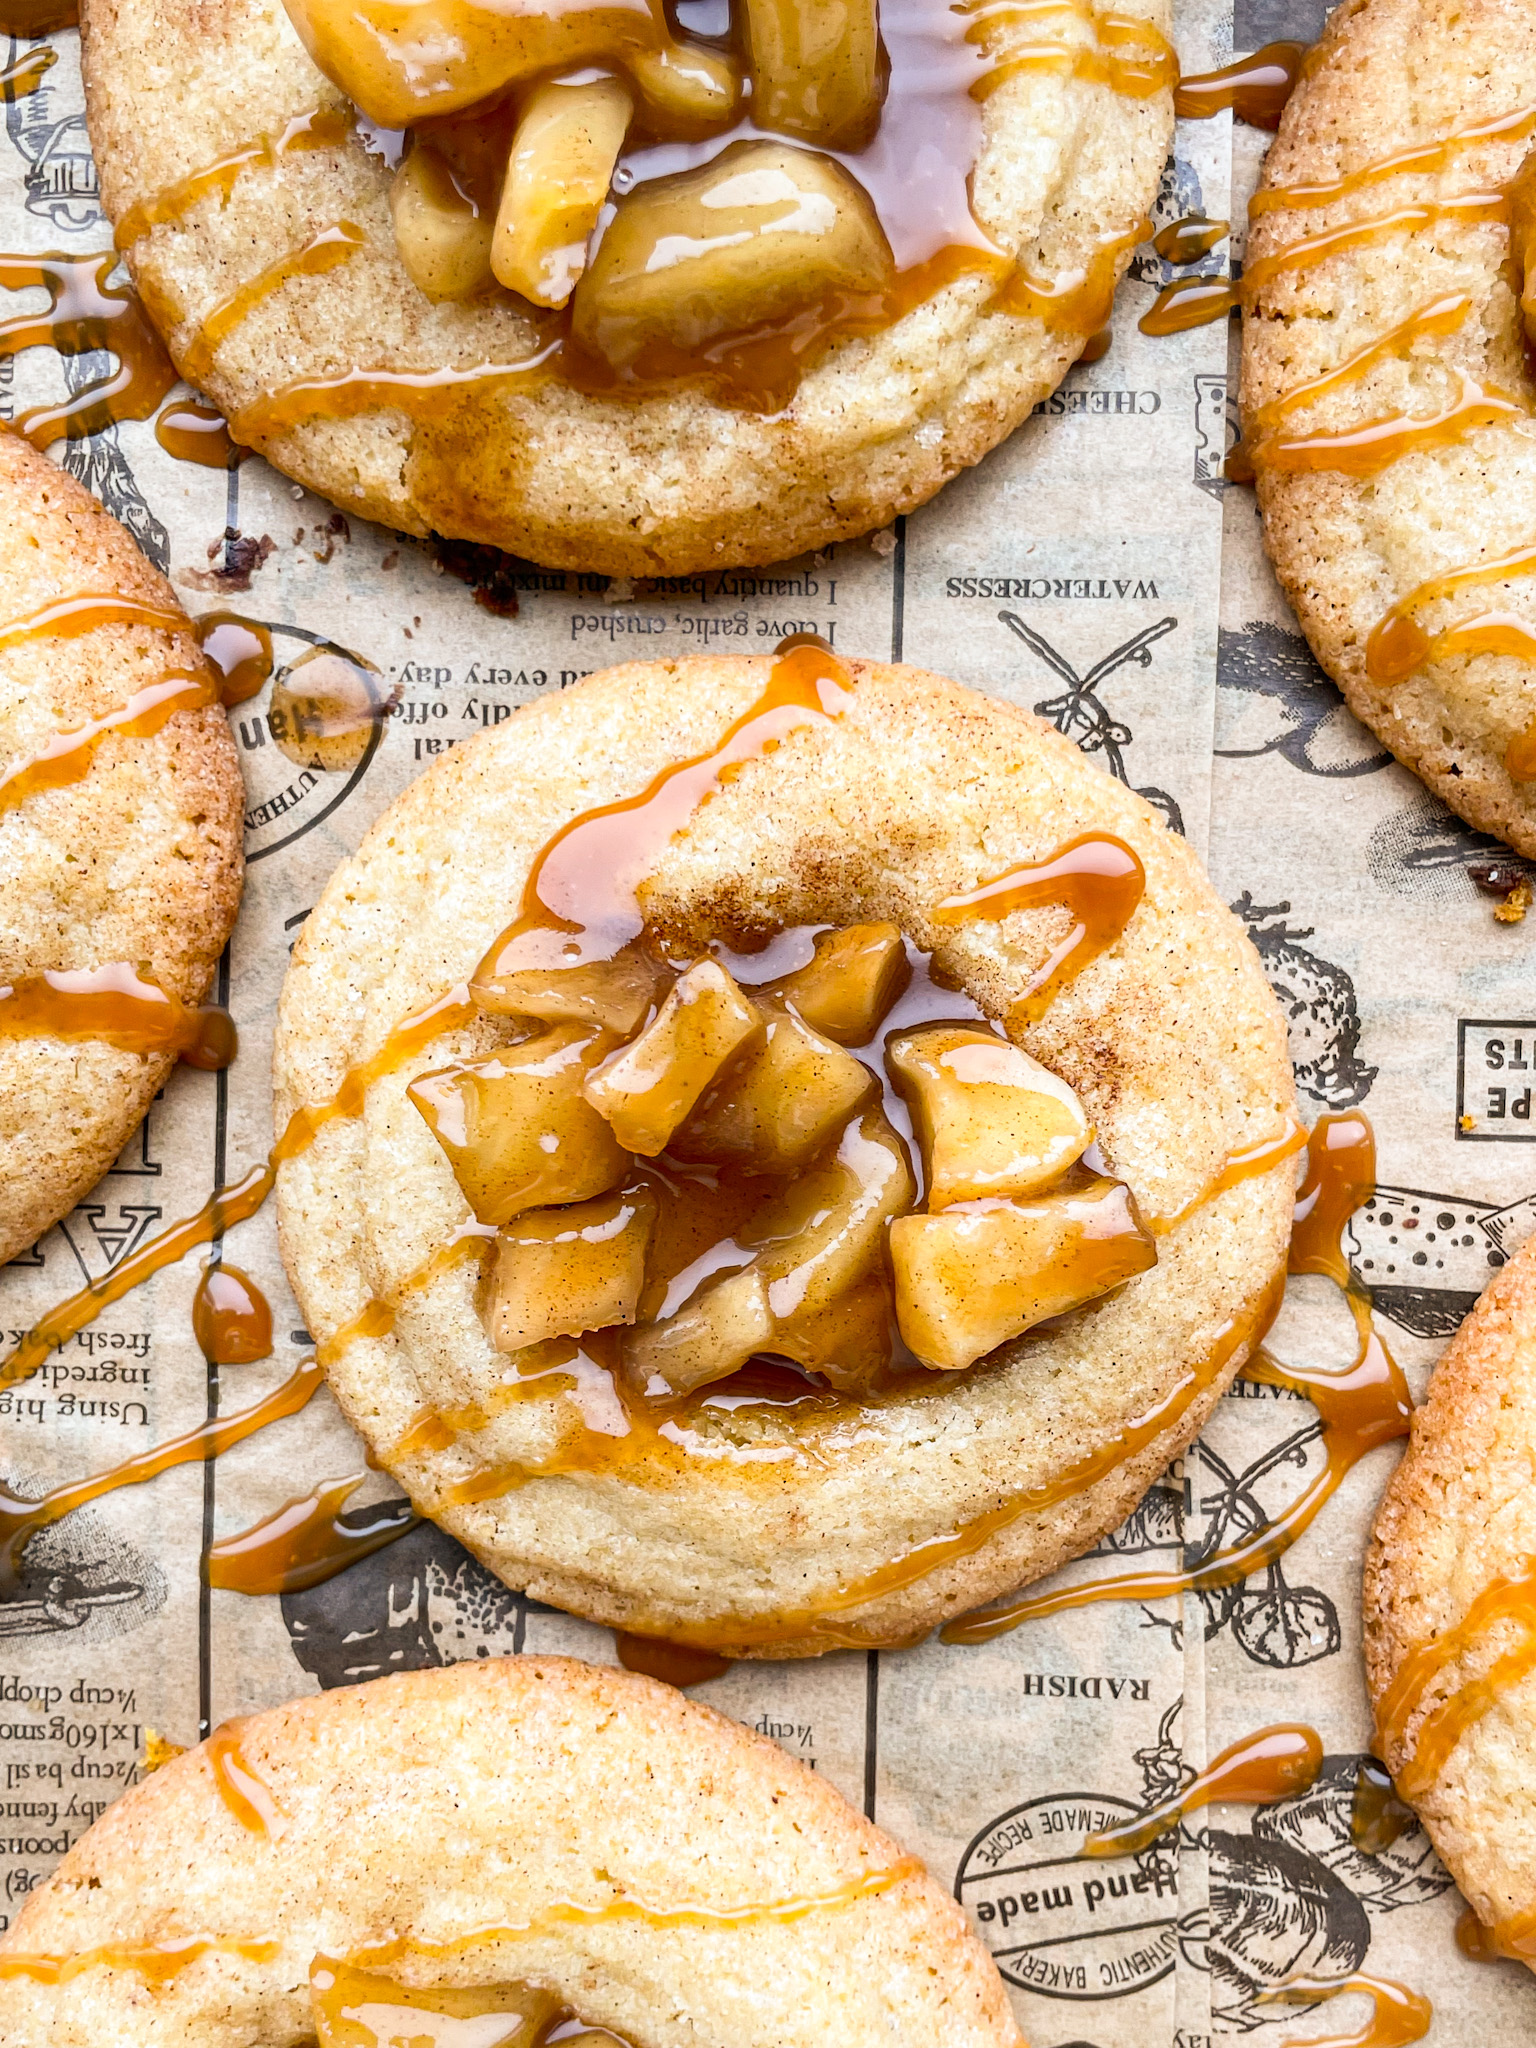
867 1522
664 1872
667 482
1400 276
138 860
1450 1603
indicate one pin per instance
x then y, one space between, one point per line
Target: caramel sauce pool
326 709
231 1317
239 650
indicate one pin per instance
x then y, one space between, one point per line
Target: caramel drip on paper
1398 2015
66 618
26 19
85 313
231 1317
1187 240
21 1519
326 250
244 1792
1361 1408
1254 88
1276 1763
21 78
198 433
1377 1817
320 128
1468 209
116 1006
239 650
67 756
1398 643
304 1542
1191 302
1096 878
679 1664
1422 157
155 1961
223 1209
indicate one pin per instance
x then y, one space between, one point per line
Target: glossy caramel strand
305 1541
67 618
325 250
1416 158
85 313
1465 210
239 651
157 1962
1190 302
242 1790
1188 239
21 1519
198 433
1399 644
318 128
66 757
24 74
117 1005
679 1664
1340 1175
231 1317
1254 89
1398 2015
1276 1763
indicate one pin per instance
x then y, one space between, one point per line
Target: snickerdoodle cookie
120 839
531 1838
1450 1610
639 322
1387 397
997 1180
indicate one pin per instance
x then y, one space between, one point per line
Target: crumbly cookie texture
477 1801
1171 1038
1460 1513
1387 76
665 484
139 861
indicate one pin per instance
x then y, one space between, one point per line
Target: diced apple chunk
851 980
567 142
816 70
774 1108
517 1129
559 1272
647 1090
444 240
848 1342
991 1120
970 1278
752 236
614 994
710 1337
827 1230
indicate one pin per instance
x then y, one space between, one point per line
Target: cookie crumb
158 1751
621 590
883 542
1512 910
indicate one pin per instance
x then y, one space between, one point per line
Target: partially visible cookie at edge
138 860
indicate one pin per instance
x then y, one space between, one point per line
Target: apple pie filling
844 1165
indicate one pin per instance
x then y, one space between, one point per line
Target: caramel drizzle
1398 643
1467 209
1240 1166
1374 445
21 1519
116 1006
1191 302
1361 1408
1440 317
1398 2015
1377 1817
155 1961
66 618
20 79
243 1791
1097 878
304 1542
1100 62
319 128
1078 302
1187 240
1418 157
1503 635
194 432
1254 88
231 1317
1504 1600
326 250
1277 1763
85 313
66 757
159 1961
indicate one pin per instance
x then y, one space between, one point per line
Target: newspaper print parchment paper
1099 570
